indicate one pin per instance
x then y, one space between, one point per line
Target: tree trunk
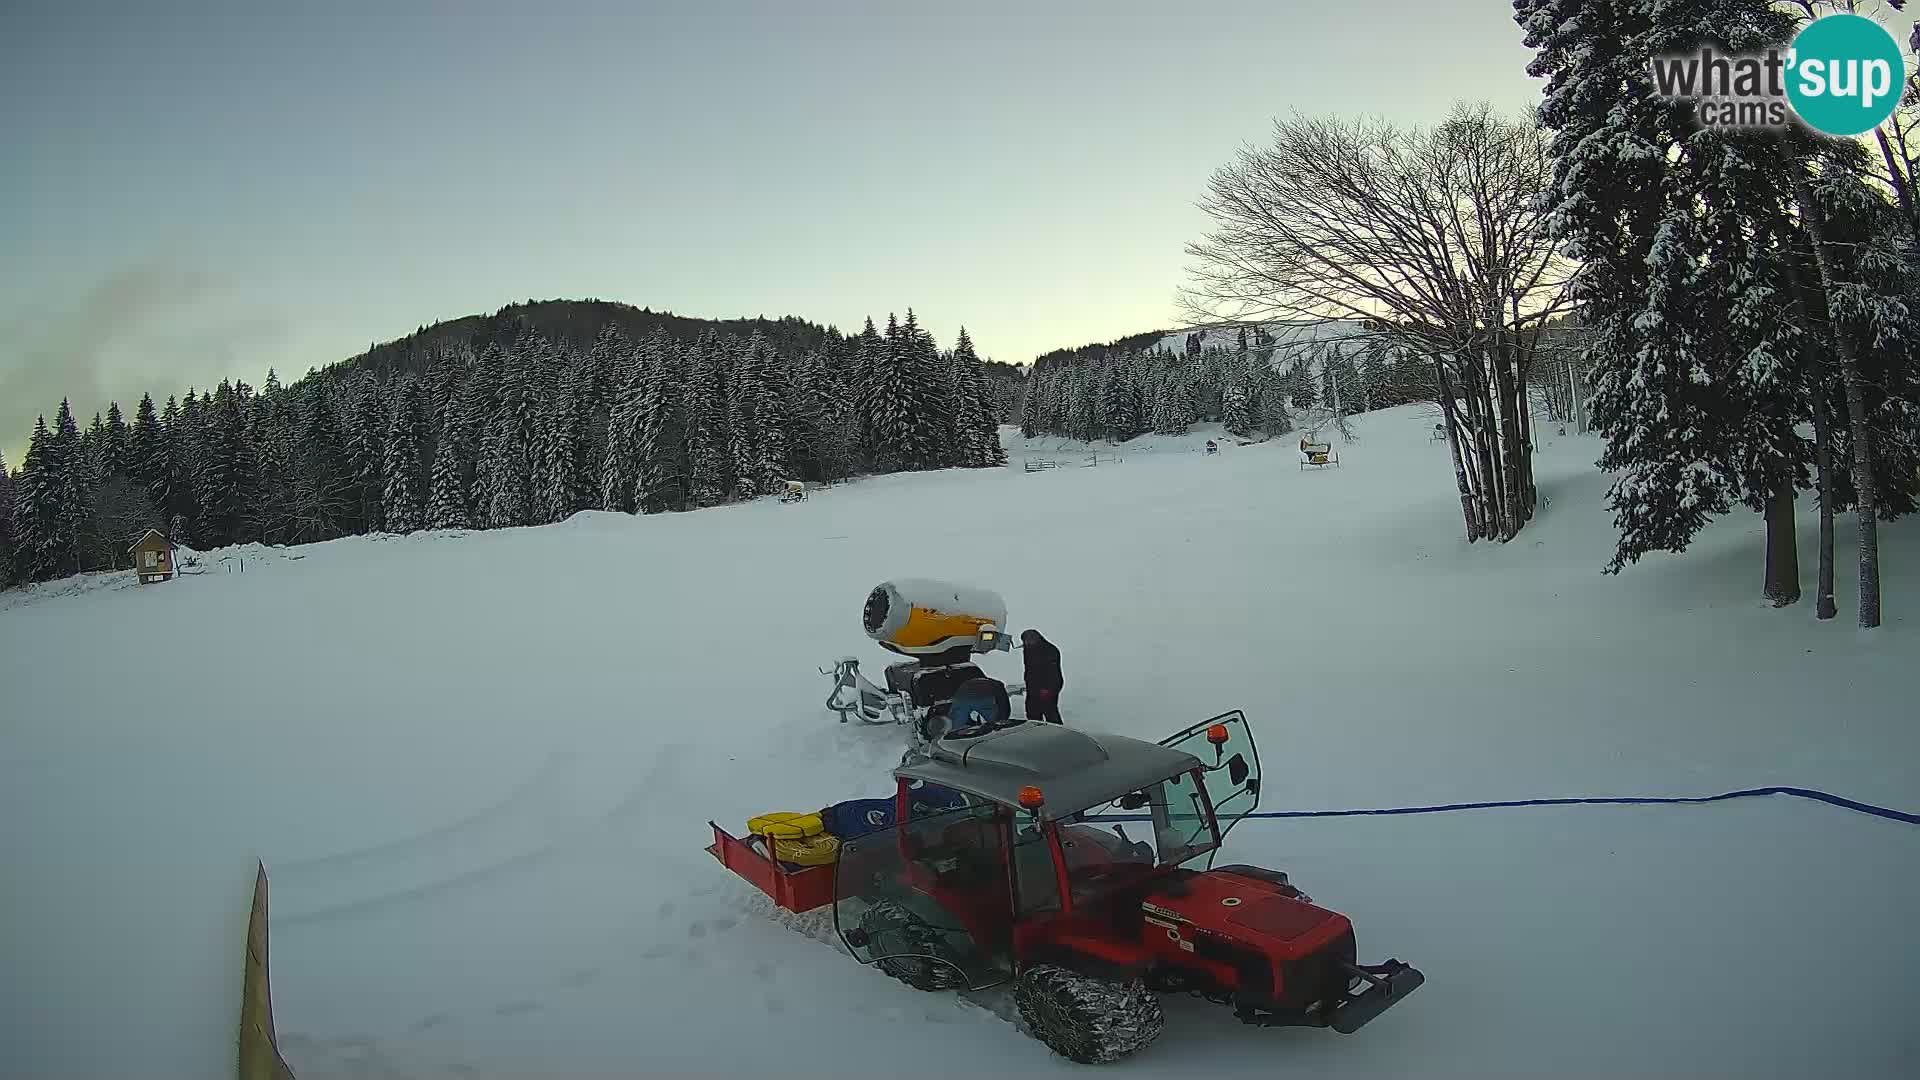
1902 183
1517 436
1493 483
1866 507
1471 427
1822 454
1529 494
1452 425
1783 550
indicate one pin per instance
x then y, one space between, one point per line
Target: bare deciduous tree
1437 236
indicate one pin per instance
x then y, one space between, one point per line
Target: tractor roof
1073 769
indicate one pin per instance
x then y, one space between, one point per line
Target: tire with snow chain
892 928
1086 1019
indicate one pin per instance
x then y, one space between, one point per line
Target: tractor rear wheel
919 955
1086 1019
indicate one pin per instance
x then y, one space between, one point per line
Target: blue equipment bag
857 817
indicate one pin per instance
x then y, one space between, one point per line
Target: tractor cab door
929 901
1231 765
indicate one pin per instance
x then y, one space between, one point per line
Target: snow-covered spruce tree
361 407
977 427
1169 402
1077 394
168 488
72 480
473 407
146 455
226 476
604 368
748 406
974 436
777 421
1270 410
866 358
620 462
710 468
1030 404
892 400
42 521
447 502
506 480
274 435
559 477
823 420
663 469
1678 231
404 498
447 373
1237 401
114 442
908 398
324 500
7 532
1120 402
804 380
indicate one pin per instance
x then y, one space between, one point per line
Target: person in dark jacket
1044 680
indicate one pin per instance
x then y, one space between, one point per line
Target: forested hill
1132 343
524 417
576 324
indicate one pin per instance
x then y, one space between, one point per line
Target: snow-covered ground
479 770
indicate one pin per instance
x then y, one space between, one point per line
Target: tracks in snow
537 819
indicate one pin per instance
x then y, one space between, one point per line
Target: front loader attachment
1382 987
1387 984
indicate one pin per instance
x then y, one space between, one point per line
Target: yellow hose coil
801 839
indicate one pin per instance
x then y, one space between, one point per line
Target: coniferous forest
1252 385
520 419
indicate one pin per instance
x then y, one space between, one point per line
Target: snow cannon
935 622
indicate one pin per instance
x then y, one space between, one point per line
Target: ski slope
479 770
1289 335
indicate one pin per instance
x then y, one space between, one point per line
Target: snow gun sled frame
1003 857
917 694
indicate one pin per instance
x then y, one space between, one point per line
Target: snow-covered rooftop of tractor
1072 768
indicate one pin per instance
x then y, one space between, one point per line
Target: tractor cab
1058 837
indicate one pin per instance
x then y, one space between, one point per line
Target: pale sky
214 190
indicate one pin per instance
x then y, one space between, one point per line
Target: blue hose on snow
1797 792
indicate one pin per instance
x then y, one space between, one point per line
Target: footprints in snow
690 952
700 927
572 980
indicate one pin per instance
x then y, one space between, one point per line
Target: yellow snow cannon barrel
929 619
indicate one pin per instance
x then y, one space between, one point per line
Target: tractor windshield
929 901
1232 764
1111 847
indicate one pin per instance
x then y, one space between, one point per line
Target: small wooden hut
152 556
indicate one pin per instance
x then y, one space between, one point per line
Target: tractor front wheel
1085 1019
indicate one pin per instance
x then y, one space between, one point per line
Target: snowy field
479 770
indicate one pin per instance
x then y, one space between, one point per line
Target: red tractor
1007 858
